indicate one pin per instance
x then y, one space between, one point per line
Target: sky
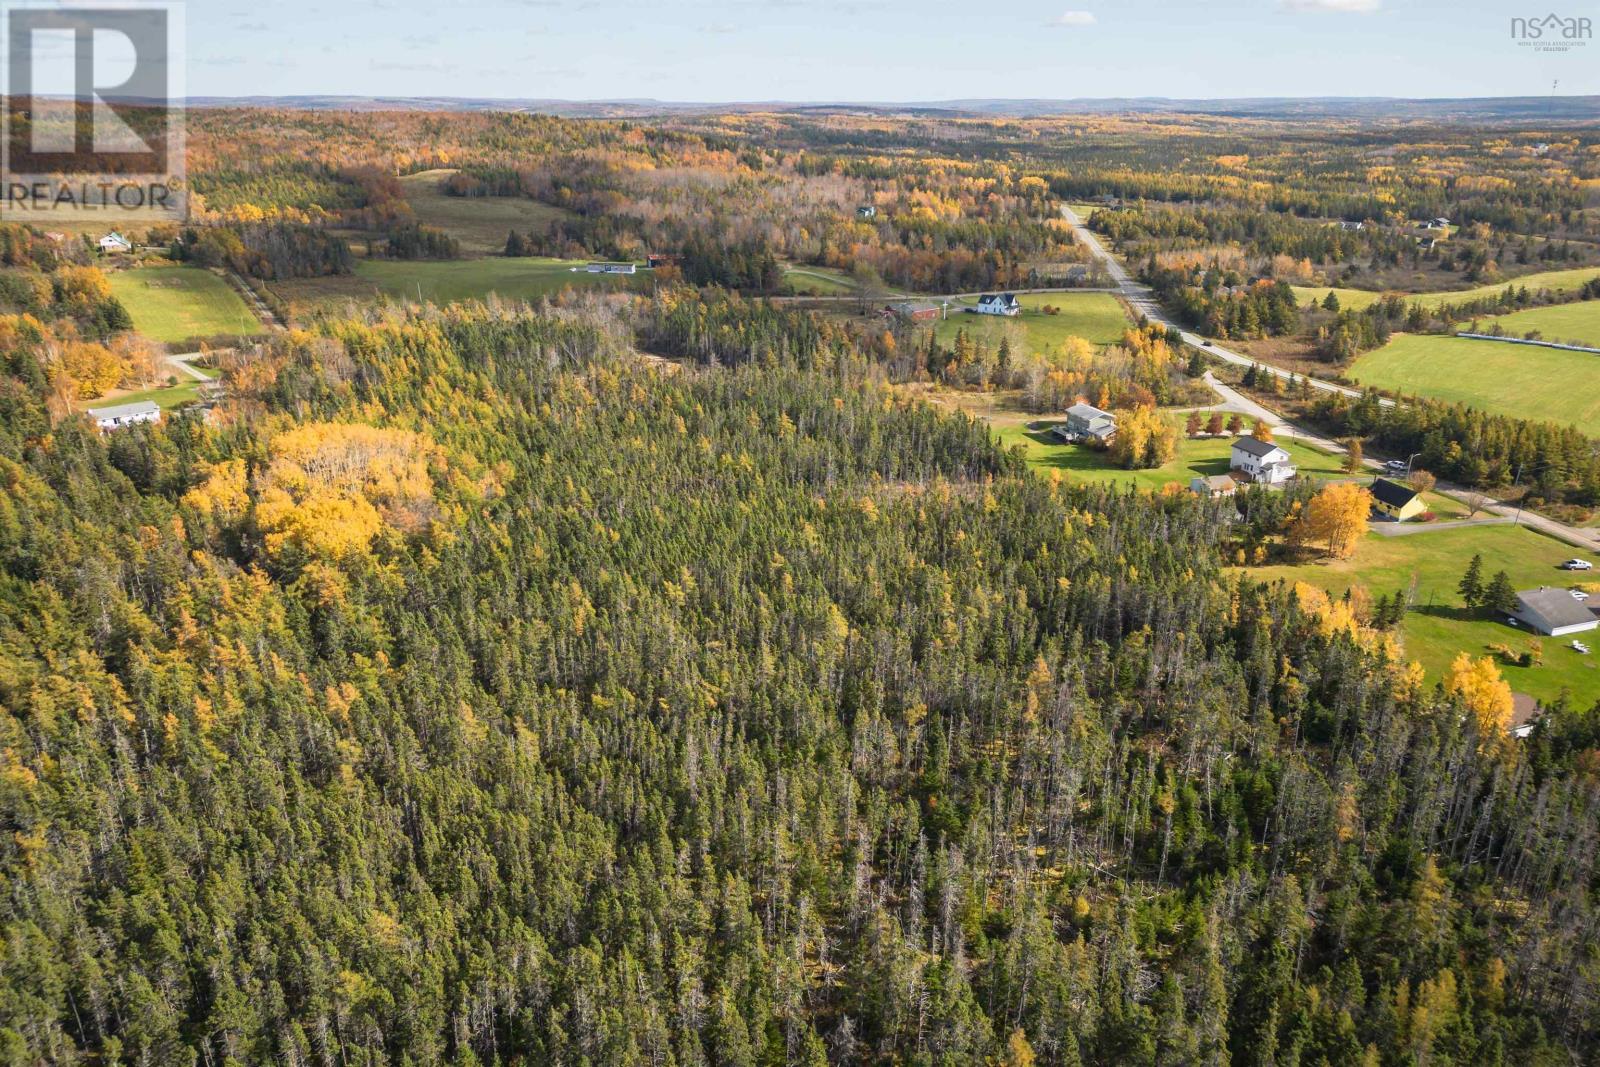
878 50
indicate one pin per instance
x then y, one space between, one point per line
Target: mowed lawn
1563 323
174 304
1197 457
449 281
1096 317
1524 381
480 223
1439 627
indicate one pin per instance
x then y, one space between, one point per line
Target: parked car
1395 466
1577 565
1579 594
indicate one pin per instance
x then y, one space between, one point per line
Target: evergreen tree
1471 585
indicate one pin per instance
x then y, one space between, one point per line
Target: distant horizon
890 50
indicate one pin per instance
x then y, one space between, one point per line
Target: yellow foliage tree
1144 440
94 368
1479 687
329 488
1336 518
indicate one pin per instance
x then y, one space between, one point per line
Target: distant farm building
866 211
910 311
998 304
1261 461
1395 501
115 242
120 415
664 259
1085 422
611 268
1554 612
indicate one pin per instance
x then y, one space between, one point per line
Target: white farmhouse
115 242
120 415
1261 461
998 304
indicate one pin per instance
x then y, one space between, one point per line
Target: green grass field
444 282
1562 323
1440 627
174 304
1197 457
1554 280
1349 299
1519 380
819 281
480 223
1096 317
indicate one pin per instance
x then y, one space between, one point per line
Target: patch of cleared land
1349 299
820 281
174 304
480 223
1557 281
1197 457
1440 627
1096 317
450 281
1525 381
1563 323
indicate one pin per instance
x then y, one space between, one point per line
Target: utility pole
1515 482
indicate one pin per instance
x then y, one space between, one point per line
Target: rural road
1141 299
180 363
1143 302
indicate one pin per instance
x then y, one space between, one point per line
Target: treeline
270 251
415 241
1558 465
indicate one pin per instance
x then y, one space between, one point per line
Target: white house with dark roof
998 304
117 416
1554 612
1261 461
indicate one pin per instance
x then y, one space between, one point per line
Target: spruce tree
1471 584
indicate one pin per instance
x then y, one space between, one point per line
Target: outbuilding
119 415
1555 612
1395 501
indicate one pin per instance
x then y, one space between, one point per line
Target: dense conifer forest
469 689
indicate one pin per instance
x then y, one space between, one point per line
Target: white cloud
1074 18
1345 6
